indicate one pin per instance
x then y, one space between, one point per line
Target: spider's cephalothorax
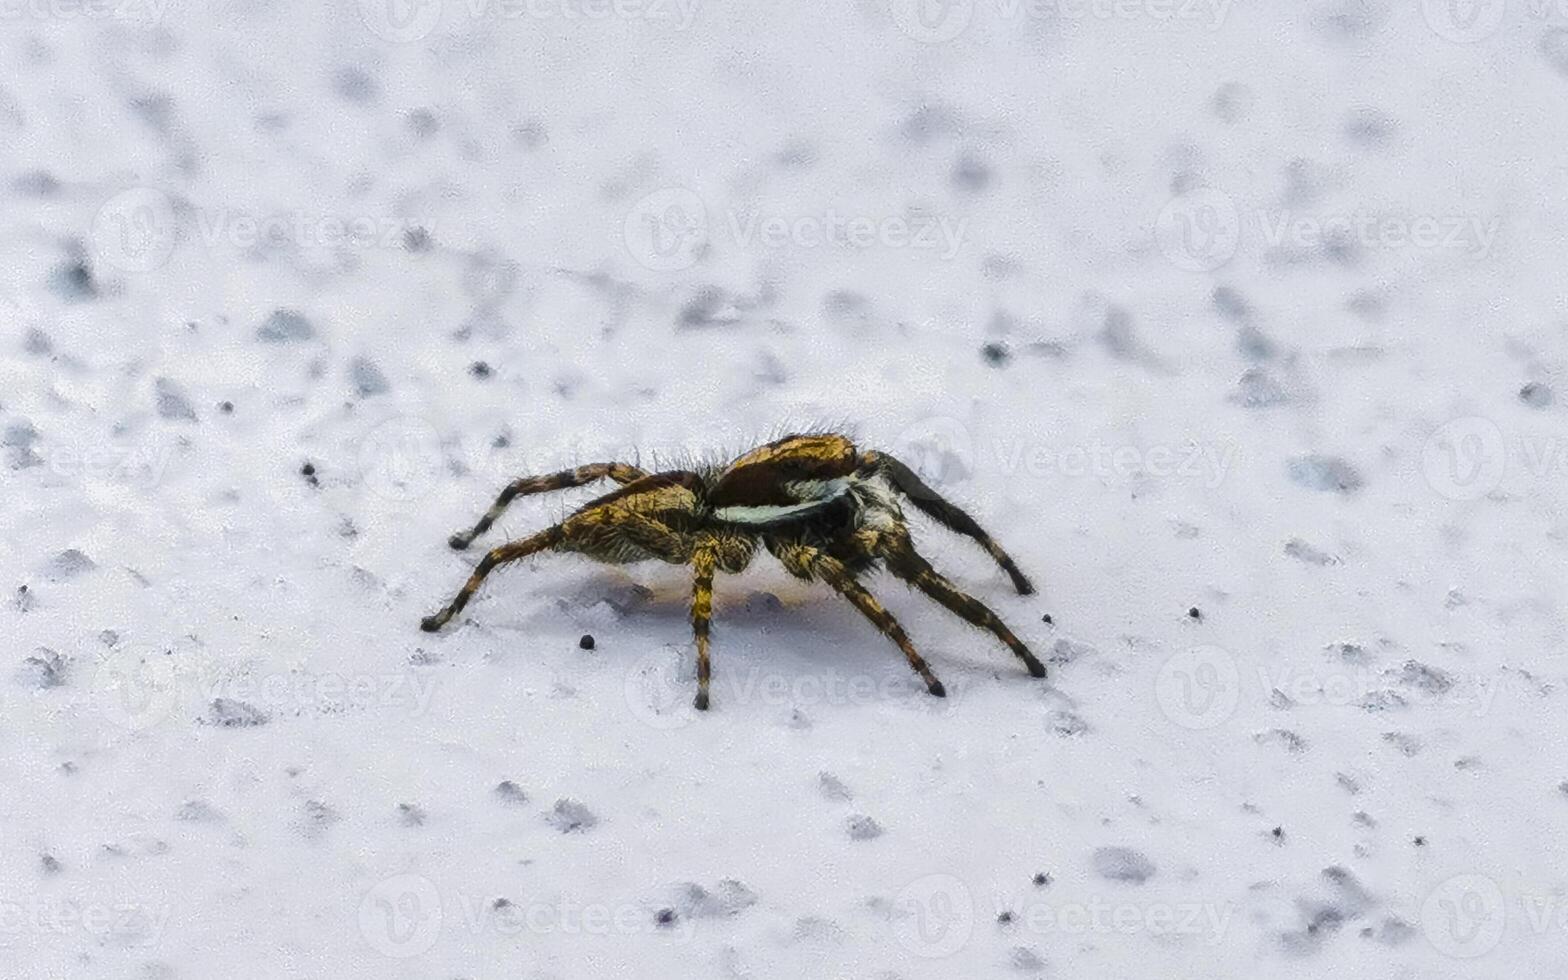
827 510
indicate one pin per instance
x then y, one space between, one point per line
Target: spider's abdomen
770 475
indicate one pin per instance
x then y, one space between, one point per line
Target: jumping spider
825 509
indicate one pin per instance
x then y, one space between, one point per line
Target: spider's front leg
944 512
548 538
522 486
908 564
606 533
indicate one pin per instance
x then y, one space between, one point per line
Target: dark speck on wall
74 281
417 240
355 85
971 174
1536 395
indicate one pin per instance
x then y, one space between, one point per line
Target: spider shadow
763 620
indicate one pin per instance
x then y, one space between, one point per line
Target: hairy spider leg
702 562
512 551
522 486
908 564
810 562
607 532
943 512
